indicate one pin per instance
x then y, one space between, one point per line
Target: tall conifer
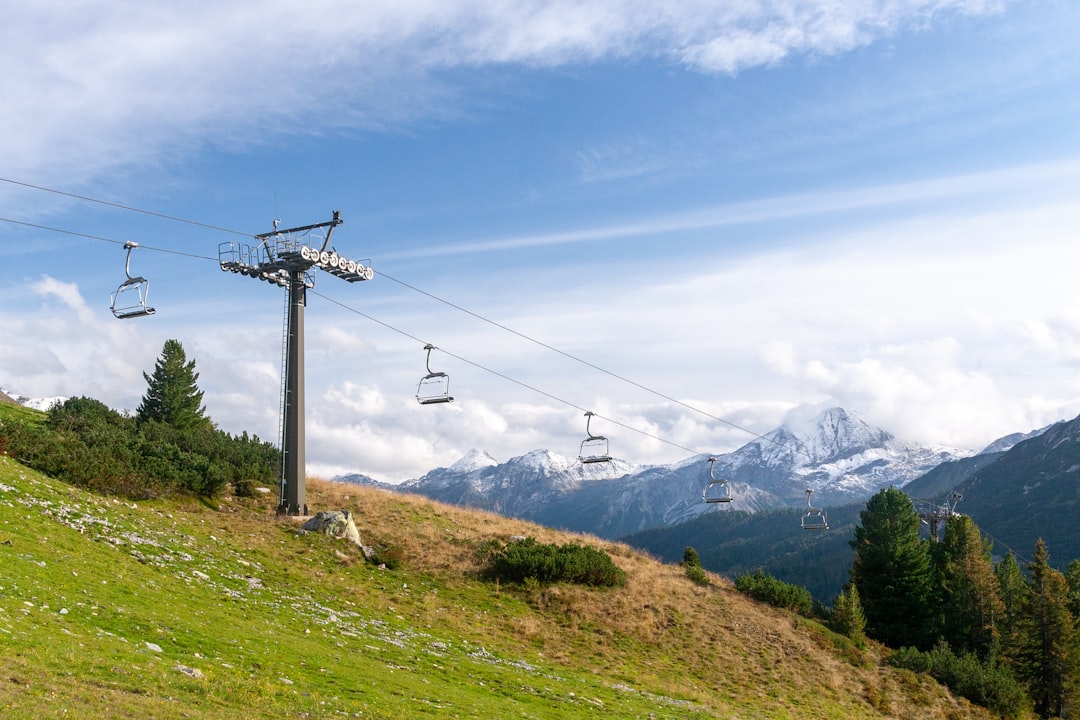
892 571
1047 637
969 592
172 395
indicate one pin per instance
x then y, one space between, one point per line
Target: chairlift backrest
129 300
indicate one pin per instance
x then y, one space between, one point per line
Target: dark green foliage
1014 592
773 541
989 684
847 616
1046 649
697 575
87 444
527 559
690 557
892 571
966 590
694 571
777 593
173 396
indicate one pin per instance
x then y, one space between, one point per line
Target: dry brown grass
710 645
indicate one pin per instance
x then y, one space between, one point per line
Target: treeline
1005 636
167 446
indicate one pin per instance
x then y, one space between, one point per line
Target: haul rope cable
384 324
414 289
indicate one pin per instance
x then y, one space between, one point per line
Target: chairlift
434 387
129 300
716 490
813 518
594 448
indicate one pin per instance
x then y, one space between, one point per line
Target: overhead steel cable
577 359
103 239
404 284
120 206
507 377
379 322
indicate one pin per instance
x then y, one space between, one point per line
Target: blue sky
751 208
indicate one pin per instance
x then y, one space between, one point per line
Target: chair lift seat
814 518
716 490
594 448
724 498
434 388
129 300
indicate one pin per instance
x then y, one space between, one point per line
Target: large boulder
335 523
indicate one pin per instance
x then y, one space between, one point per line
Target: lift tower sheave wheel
288 259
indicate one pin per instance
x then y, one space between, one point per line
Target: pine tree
1014 591
969 594
847 616
173 396
1047 637
892 571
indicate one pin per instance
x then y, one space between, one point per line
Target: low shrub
777 593
529 560
989 684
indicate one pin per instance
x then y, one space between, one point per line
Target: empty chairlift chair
594 448
716 490
813 518
434 387
129 300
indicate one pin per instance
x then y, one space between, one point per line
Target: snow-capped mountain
834 453
35 403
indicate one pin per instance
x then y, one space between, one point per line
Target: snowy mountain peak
474 460
807 438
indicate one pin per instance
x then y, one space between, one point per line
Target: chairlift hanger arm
588 421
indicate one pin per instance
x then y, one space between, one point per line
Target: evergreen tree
847 615
173 396
1047 637
1014 590
690 557
968 591
892 571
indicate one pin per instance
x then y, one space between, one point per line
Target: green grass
180 609
103 604
19 413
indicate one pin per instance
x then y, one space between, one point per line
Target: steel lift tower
288 259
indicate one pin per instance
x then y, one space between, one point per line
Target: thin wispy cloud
102 85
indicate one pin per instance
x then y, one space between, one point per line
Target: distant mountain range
1021 488
835 453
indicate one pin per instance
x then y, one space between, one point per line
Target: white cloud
146 80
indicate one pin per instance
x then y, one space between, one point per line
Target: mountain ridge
834 452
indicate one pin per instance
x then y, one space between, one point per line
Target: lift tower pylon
288 258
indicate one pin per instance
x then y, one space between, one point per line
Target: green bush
989 684
777 593
527 559
87 444
697 574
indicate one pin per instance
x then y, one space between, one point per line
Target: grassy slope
107 609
